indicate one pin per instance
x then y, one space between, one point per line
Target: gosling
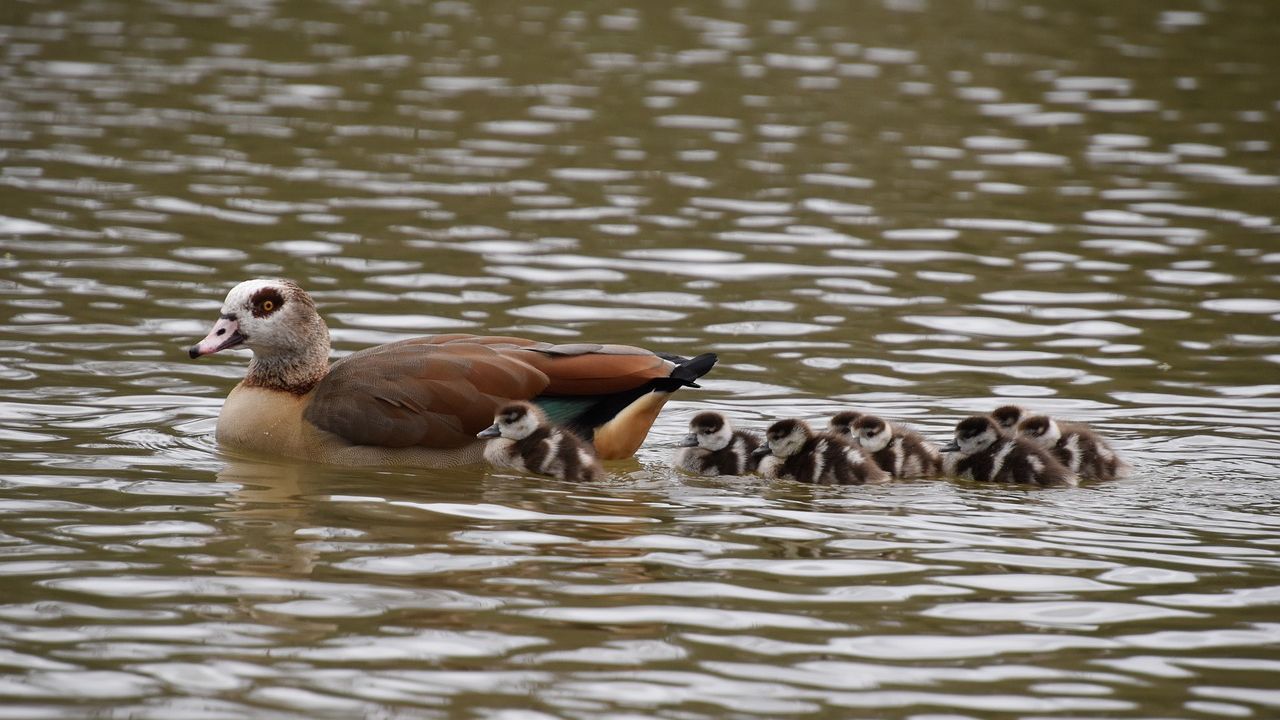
522 439
981 452
1076 446
792 451
897 449
713 447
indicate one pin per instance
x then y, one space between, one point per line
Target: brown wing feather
419 393
597 373
439 391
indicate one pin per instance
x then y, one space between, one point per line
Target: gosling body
714 447
981 452
792 451
522 439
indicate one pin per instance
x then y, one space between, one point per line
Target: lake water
924 209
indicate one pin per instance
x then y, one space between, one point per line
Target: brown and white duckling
713 447
842 423
792 451
521 438
899 450
1007 418
981 452
1076 446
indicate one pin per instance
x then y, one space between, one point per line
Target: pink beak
225 334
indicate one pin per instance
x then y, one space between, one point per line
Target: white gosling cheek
876 442
717 440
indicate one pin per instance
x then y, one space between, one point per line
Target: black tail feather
687 371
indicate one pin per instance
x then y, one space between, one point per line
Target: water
924 209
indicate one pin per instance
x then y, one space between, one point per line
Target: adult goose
421 401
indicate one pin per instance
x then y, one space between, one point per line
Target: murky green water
921 208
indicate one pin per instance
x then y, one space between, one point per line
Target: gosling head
1007 417
872 433
1041 430
515 421
842 422
973 435
709 431
785 437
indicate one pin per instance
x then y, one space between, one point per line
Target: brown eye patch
266 301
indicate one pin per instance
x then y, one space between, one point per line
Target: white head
872 433
709 431
973 435
1041 430
515 421
785 437
270 317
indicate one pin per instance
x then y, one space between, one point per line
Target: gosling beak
225 334
490 432
689 440
952 446
761 451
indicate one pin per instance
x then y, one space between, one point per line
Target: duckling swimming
1007 417
842 423
521 438
899 450
792 451
981 452
1076 446
713 447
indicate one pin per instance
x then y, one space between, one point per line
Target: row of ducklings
1008 446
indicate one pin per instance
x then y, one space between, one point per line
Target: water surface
922 209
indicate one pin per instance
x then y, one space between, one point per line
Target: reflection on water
924 209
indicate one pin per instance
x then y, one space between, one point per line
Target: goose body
897 449
792 451
1076 446
713 447
981 452
522 439
421 401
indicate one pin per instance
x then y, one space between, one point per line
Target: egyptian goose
981 452
1076 446
897 449
521 438
421 401
713 447
792 451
